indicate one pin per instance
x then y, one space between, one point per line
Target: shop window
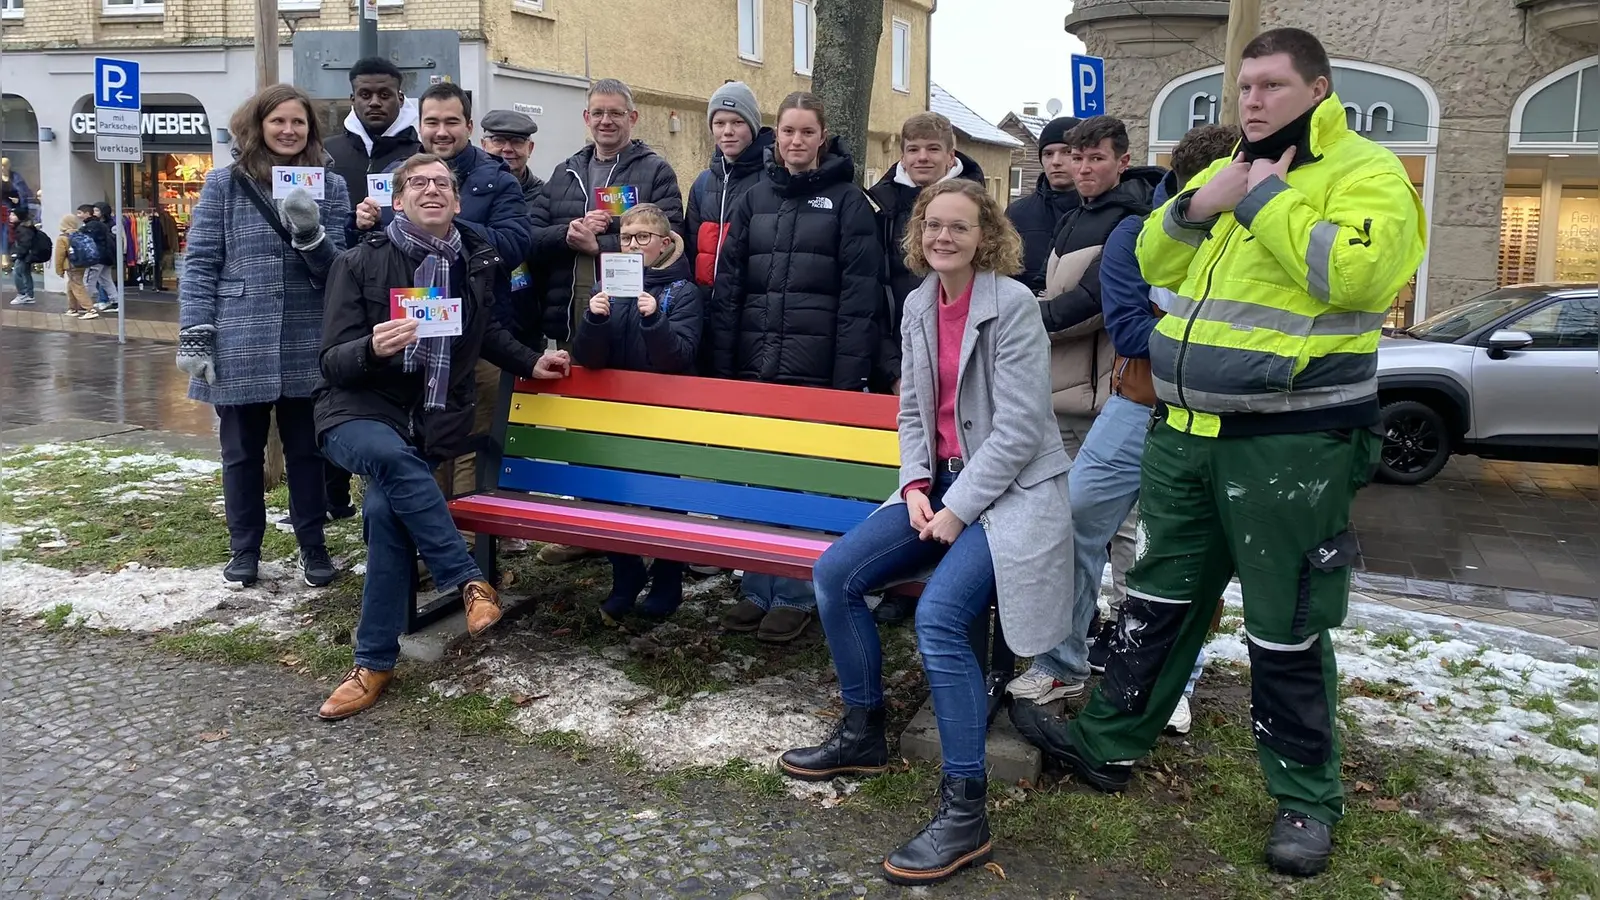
900 50
1519 239
133 7
1578 234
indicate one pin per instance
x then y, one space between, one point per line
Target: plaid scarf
433 256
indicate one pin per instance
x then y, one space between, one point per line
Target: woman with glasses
982 499
798 283
250 319
657 331
396 403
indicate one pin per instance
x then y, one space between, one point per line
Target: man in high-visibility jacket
1285 259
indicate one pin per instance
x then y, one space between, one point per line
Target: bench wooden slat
796 473
777 401
754 504
718 429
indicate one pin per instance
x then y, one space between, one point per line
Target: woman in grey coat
982 499
250 319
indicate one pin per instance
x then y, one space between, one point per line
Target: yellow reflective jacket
1281 302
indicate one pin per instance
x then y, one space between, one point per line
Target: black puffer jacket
1085 230
665 342
712 199
567 196
799 285
1036 217
358 385
893 198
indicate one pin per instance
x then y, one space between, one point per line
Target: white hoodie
406 119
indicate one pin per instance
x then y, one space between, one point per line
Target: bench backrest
798 457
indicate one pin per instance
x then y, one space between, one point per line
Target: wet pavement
1520 536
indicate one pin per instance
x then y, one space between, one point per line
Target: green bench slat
795 473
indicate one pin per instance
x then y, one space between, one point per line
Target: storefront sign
1381 107
157 125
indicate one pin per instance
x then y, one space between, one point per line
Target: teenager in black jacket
799 288
392 406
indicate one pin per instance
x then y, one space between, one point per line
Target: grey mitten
302 218
197 347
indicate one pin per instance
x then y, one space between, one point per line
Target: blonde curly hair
999 245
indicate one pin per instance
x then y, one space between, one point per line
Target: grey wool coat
1015 479
264 297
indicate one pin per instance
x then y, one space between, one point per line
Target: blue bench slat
752 504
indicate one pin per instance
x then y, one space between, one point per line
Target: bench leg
483 553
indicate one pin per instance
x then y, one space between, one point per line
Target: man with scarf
392 406
1284 260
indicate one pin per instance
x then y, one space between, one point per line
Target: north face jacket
799 283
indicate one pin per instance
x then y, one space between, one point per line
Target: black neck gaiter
1294 134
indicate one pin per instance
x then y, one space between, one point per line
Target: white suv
1514 374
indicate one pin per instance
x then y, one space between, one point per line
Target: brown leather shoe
483 606
357 692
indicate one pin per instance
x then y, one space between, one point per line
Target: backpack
43 247
82 251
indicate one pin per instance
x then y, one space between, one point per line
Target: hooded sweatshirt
356 154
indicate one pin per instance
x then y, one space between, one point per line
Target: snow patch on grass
136 598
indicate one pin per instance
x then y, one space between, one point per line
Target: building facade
1026 168
988 146
197 64
1493 106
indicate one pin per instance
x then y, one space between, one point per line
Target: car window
1459 321
1570 324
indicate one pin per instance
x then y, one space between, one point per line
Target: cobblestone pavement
127 773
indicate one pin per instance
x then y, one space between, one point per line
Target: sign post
118 139
1088 86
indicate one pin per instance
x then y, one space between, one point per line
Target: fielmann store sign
172 126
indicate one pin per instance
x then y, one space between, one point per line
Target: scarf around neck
1273 146
433 256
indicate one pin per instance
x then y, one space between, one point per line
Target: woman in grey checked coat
250 319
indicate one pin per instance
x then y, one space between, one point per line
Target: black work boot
1051 735
856 747
957 837
1299 845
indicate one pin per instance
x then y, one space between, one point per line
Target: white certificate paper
287 178
622 274
381 189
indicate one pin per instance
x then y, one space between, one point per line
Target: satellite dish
1053 107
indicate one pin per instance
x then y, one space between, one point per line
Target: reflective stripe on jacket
1280 303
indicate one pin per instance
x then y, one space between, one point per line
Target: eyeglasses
504 140
956 229
642 237
421 183
613 115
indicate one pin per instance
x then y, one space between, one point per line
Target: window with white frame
528 6
133 7
11 9
805 36
900 47
1016 181
750 30
299 5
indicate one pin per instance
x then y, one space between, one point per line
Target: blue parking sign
116 83
1088 86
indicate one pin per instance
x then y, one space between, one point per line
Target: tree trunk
845 65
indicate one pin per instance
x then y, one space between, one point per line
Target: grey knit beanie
735 96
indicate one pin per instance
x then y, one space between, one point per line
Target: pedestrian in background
78 303
250 313
29 245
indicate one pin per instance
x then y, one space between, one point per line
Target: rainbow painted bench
734 474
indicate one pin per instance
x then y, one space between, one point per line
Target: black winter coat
567 196
665 342
359 385
893 200
1036 218
353 163
1089 226
712 199
101 232
799 283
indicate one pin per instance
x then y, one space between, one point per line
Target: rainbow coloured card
436 314
616 200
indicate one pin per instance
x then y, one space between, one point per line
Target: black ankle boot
957 837
856 747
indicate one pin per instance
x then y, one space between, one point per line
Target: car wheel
1416 443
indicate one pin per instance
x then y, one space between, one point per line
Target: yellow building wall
63 24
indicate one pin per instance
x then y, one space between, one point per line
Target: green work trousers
1274 510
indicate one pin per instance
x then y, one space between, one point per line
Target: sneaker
1051 734
244 568
89 314
102 307
1042 687
1299 845
1182 720
316 566
73 313
346 511
22 301
1100 646
561 554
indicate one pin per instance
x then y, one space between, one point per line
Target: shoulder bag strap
253 193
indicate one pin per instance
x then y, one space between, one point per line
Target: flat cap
509 121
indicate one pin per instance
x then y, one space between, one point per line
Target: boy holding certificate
646 318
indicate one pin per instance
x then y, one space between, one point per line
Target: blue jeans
22 278
1103 488
878 552
771 591
404 513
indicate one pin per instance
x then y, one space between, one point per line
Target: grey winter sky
995 54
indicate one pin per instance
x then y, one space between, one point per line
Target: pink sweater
952 324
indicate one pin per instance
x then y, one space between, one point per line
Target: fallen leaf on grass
994 867
289 660
1362 787
525 699
561 632
1386 804
211 737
